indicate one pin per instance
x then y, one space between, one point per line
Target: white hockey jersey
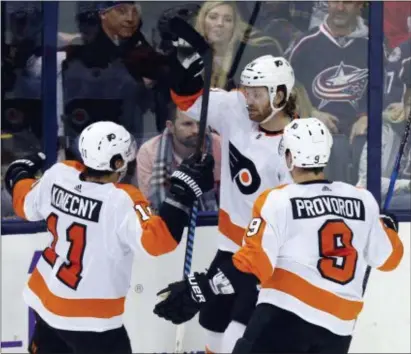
310 244
250 160
81 280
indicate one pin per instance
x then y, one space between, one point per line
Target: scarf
164 166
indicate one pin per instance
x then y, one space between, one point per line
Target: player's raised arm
22 185
187 88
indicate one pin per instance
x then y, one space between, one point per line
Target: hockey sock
213 341
234 331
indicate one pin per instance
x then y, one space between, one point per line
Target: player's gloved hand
186 63
390 221
185 12
192 178
23 168
184 298
186 73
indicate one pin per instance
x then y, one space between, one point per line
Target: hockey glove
184 298
186 62
187 12
390 221
192 178
186 73
22 169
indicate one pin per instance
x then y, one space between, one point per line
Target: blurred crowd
112 65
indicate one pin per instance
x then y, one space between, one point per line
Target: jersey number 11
70 273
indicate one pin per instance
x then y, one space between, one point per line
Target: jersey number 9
338 256
254 227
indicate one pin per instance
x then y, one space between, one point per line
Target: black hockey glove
192 178
187 12
184 298
185 61
186 73
390 221
23 168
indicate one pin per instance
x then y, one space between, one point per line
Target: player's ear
118 163
279 98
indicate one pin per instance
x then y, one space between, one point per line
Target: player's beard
258 115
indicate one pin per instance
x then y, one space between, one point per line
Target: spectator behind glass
286 20
391 141
390 145
331 62
111 76
161 155
397 22
222 26
394 87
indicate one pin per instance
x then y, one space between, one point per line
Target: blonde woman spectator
222 26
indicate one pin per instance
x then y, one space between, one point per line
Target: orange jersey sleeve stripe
75 164
294 285
97 308
156 238
185 102
397 251
134 193
234 232
20 190
251 258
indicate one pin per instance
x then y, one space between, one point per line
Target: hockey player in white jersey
308 245
250 122
97 225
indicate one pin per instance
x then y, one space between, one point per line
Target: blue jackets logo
340 83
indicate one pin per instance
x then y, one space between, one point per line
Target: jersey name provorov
74 204
350 208
312 266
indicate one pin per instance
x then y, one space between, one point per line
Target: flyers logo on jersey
243 171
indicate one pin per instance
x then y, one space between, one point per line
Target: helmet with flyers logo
102 143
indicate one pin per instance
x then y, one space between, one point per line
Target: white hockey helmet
309 142
270 72
101 141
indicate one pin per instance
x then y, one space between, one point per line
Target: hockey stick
393 179
183 30
244 41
